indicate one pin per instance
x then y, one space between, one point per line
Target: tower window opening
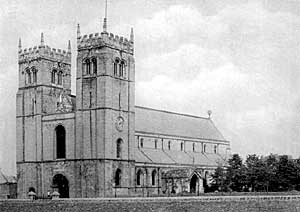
118 177
122 69
60 142
28 76
53 73
59 78
116 64
94 63
34 72
87 66
153 176
119 148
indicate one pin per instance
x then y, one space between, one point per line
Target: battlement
105 39
46 52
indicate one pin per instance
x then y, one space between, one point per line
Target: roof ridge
3 175
171 112
217 129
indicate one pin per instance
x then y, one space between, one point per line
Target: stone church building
99 143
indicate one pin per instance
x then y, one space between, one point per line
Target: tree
271 164
236 174
219 178
257 176
286 174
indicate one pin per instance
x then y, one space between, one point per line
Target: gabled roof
154 121
6 179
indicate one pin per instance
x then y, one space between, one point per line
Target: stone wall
204 204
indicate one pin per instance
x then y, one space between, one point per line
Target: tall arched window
34 72
139 177
153 177
122 68
119 148
169 145
116 64
53 73
94 64
118 177
28 76
60 142
87 66
59 78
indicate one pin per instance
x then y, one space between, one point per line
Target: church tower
44 74
105 111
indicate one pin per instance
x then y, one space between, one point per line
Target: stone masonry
98 143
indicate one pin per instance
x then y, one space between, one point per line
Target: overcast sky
238 58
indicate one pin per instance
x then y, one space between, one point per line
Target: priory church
99 143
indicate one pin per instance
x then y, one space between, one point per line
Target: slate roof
154 121
148 155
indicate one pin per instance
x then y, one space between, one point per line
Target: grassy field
272 203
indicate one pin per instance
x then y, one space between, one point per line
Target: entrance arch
194 184
61 183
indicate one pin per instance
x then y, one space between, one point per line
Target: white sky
238 58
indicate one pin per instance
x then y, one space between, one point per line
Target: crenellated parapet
44 51
105 39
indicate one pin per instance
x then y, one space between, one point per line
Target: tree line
258 174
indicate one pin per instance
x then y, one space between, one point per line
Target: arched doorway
194 184
61 183
205 182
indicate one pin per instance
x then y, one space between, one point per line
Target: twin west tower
98 143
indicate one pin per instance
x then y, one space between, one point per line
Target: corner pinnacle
131 35
69 46
42 39
78 31
20 44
